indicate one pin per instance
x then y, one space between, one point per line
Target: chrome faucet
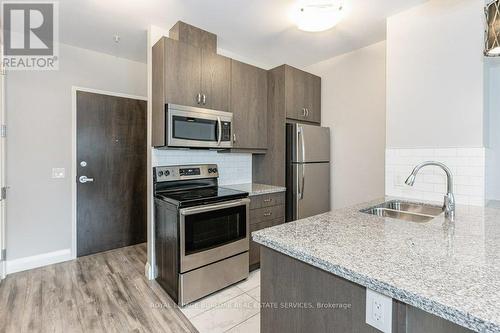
449 198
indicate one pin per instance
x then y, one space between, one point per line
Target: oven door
198 128
213 232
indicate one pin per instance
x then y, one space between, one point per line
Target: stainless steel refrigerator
307 171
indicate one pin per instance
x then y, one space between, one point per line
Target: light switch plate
58 173
379 311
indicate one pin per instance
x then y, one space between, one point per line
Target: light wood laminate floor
106 292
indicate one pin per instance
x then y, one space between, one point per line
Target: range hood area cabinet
302 95
249 106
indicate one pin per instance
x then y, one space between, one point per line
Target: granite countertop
450 269
256 189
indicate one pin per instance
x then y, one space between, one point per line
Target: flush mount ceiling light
492 47
318 15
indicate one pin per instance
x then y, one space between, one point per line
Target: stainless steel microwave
194 127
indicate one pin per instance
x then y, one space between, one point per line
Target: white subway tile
466 164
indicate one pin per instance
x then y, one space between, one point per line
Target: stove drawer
203 281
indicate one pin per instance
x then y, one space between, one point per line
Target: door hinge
3 194
3 255
3 131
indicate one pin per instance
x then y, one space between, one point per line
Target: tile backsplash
233 168
466 164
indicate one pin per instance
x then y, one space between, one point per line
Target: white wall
39 121
436 99
353 106
435 75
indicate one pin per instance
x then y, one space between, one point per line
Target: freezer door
312 144
312 188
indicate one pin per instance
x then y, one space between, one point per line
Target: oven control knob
160 173
167 173
214 170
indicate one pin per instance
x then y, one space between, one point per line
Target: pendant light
492 45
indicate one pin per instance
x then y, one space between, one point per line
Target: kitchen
280 134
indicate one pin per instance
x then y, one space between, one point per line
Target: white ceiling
256 29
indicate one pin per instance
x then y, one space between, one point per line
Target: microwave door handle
219 131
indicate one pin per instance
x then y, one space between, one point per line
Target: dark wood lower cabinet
266 211
297 297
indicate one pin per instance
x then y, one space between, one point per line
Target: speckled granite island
443 276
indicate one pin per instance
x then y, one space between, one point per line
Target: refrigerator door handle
300 134
303 181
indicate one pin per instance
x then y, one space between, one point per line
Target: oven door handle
219 131
209 208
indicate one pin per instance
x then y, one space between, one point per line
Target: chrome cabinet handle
268 214
268 200
85 179
307 112
198 98
303 112
219 135
204 99
234 138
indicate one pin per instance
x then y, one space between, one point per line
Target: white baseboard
39 260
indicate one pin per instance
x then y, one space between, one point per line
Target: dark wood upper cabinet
302 95
182 72
192 76
249 106
215 81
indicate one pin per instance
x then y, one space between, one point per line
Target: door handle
303 112
307 112
219 135
204 99
198 98
85 179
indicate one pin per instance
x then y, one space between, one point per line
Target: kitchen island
443 276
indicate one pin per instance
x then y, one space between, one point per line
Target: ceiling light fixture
492 47
318 15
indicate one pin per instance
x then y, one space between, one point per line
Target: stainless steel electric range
201 232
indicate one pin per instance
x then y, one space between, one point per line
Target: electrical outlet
58 173
379 311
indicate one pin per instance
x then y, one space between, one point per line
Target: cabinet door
254 251
182 73
215 80
249 106
313 101
295 93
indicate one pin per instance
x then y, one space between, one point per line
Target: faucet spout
449 198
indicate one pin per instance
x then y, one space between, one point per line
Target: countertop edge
456 316
264 188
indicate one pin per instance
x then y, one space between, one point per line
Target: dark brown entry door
111 177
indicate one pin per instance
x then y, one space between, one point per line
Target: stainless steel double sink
404 210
